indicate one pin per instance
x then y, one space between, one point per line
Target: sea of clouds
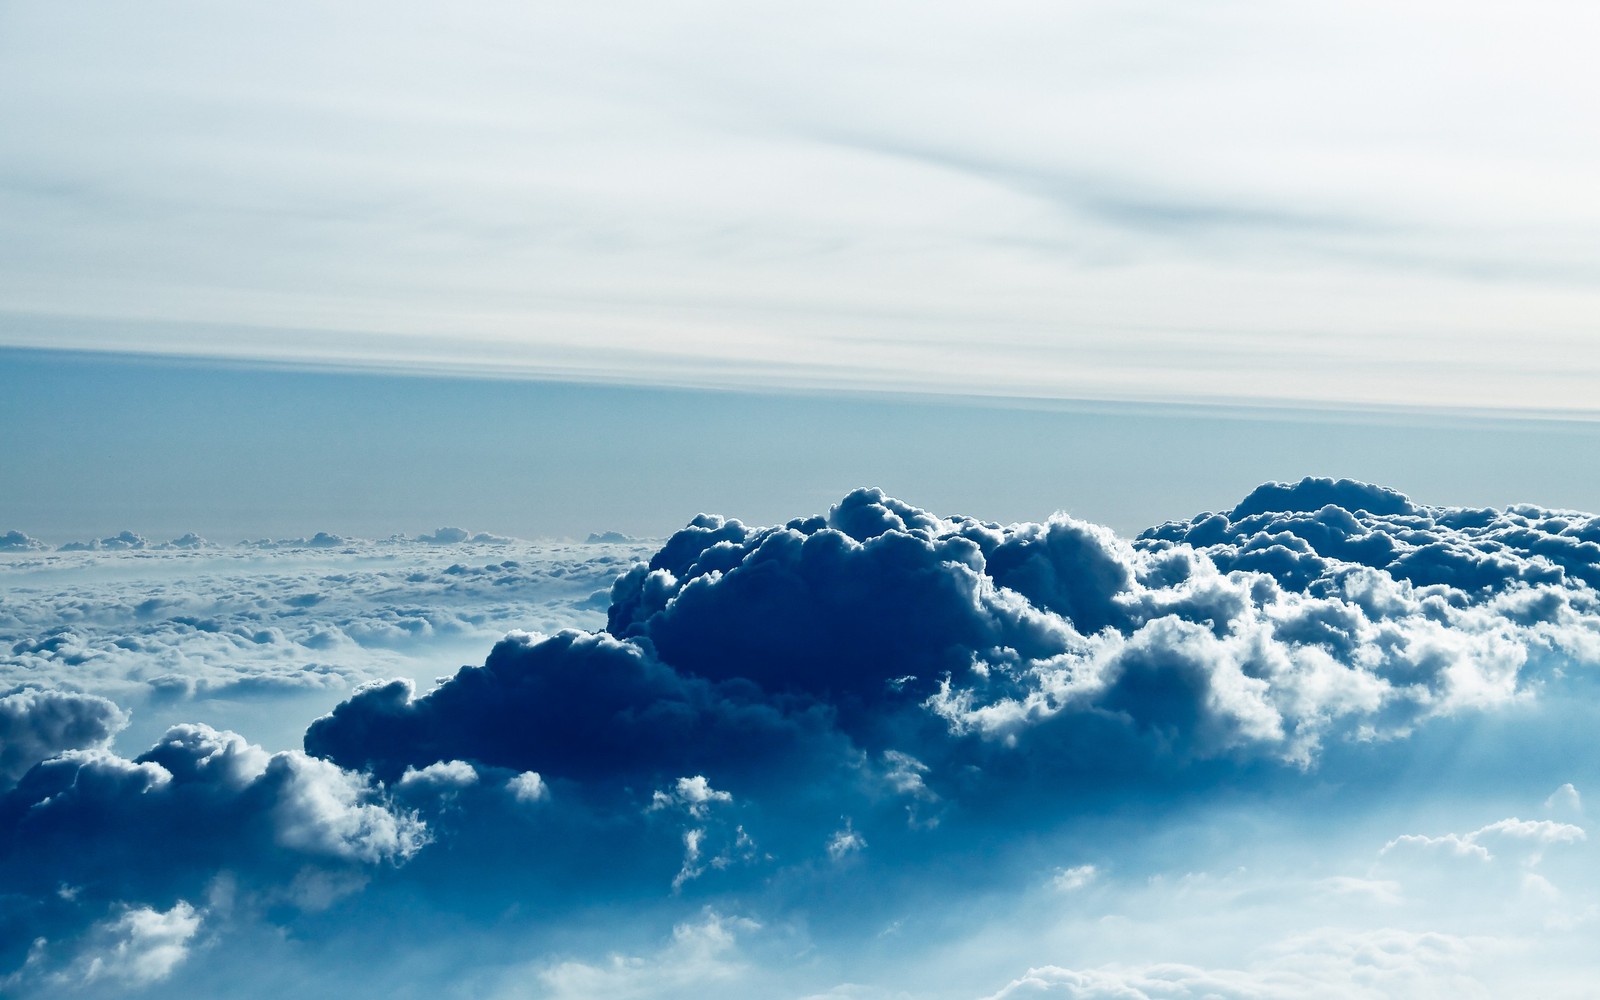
1327 743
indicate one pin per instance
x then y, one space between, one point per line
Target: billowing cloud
1223 758
17 541
87 831
138 947
1261 633
35 724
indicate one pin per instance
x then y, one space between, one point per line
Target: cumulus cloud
527 787
121 542
990 707
458 536
113 821
17 541
1263 632
846 841
1530 834
694 796
1565 801
36 724
926 675
87 829
140 946
573 705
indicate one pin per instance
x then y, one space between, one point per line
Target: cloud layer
303 618
1026 759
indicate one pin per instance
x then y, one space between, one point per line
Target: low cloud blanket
884 752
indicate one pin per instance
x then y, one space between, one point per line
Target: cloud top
1312 612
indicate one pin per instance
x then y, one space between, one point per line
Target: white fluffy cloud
139 947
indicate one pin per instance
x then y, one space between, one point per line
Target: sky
891 502
1370 204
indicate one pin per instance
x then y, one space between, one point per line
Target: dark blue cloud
935 668
577 706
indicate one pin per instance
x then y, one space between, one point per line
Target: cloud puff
1532 834
574 705
36 724
1266 627
16 541
197 797
140 946
87 830
120 542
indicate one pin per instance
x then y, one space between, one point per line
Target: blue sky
160 446
1093 500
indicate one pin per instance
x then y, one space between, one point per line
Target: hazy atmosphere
897 502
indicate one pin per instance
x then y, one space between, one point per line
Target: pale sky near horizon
105 443
1360 204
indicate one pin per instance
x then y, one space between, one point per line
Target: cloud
528 786
609 538
694 796
1074 878
864 169
36 724
320 540
1327 964
87 830
1531 834
139 947
16 541
574 705
701 953
1128 764
930 670
845 841
112 821
1565 800
121 542
157 626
